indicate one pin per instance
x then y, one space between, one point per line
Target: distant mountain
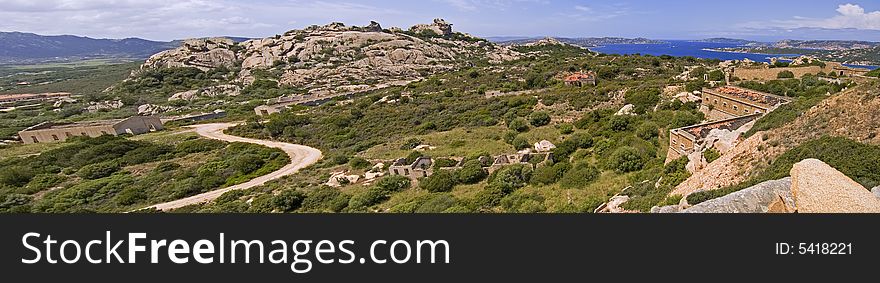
26 48
580 41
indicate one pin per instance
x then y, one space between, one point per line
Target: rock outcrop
213 91
103 105
326 57
152 109
876 191
771 196
819 188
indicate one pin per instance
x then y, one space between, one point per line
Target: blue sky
686 19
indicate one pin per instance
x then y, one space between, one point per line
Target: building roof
751 95
700 131
580 76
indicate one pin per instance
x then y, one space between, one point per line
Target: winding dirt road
300 157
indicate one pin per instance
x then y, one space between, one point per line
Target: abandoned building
216 114
544 146
690 139
55 132
30 97
729 102
581 79
422 167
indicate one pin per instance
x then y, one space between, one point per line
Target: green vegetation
114 174
808 92
858 161
785 75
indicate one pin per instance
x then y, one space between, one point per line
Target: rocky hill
338 56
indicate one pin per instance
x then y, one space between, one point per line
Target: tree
247 163
547 175
647 130
785 75
519 125
520 143
471 172
511 177
394 183
539 118
440 181
627 159
579 176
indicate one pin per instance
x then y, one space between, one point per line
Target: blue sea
681 48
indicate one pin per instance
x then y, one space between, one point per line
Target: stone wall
766 74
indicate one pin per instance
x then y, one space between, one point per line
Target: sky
686 19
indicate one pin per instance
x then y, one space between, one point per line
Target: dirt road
300 157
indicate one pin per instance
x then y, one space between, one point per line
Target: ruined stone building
56 132
690 139
422 167
581 79
729 101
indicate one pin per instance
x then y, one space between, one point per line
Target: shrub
518 125
445 163
471 172
547 175
394 183
16 176
581 175
413 155
643 100
359 163
325 199
247 163
539 118
523 203
566 128
711 155
198 145
440 181
98 170
437 204
511 177
626 159
619 123
648 131
520 143
370 197
288 200
411 144
785 75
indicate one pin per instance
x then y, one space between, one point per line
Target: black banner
481 248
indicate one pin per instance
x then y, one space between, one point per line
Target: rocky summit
336 55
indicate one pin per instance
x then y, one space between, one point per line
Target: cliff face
321 57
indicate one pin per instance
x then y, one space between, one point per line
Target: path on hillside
300 157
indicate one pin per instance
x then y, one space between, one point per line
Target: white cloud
849 16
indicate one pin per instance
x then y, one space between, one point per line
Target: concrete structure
687 140
196 117
422 167
55 132
735 101
581 79
30 97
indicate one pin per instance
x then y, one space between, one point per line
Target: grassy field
460 142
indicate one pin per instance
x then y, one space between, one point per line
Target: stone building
581 79
422 167
55 132
690 139
730 101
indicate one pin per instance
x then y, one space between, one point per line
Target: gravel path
300 157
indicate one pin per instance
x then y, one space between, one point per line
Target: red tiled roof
750 95
580 76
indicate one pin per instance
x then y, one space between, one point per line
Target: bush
580 176
471 172
511 177
325 199
619 123
394 183
523 203
648 131
785 75
716 75
711 155
16 176
539 118
445 163
199 145
288 200
626 159
518 125
520 143
566 128
547 175
437 204
98 170
247 163
440 181
359 163
411 144
643 100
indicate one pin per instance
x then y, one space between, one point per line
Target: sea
682 48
